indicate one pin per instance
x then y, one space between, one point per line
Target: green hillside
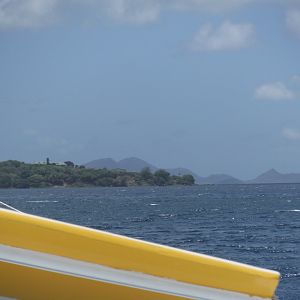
16 174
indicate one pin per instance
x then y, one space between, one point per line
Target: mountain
220 179
135 164
102 163
273 176
132 164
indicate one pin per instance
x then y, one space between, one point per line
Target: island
16 174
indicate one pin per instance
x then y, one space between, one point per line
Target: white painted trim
76 268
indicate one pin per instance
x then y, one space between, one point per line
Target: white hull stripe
76 268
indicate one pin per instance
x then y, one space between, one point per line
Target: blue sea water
255 224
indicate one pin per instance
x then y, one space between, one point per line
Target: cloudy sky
210 85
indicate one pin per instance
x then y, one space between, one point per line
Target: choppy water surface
255 224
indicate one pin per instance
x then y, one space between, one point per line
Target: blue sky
213 86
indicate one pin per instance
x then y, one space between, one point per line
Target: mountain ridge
135 164
273 176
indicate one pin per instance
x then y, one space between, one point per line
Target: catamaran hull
46 259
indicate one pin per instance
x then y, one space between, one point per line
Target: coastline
16 174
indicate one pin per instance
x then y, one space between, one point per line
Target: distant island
107 172
16 174
137 164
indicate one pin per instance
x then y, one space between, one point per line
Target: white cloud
30 13
291 134
228 36
293 21
25 13
133 11
207 5
275 91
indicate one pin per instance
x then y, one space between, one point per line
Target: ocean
254 224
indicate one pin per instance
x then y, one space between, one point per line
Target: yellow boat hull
27 283
47 259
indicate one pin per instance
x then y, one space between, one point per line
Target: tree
36 180
161 177
5 181
146 174
187 180
20 175
69 164
105 181
21 183
120 181
55 179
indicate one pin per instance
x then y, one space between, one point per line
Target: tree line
16 174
